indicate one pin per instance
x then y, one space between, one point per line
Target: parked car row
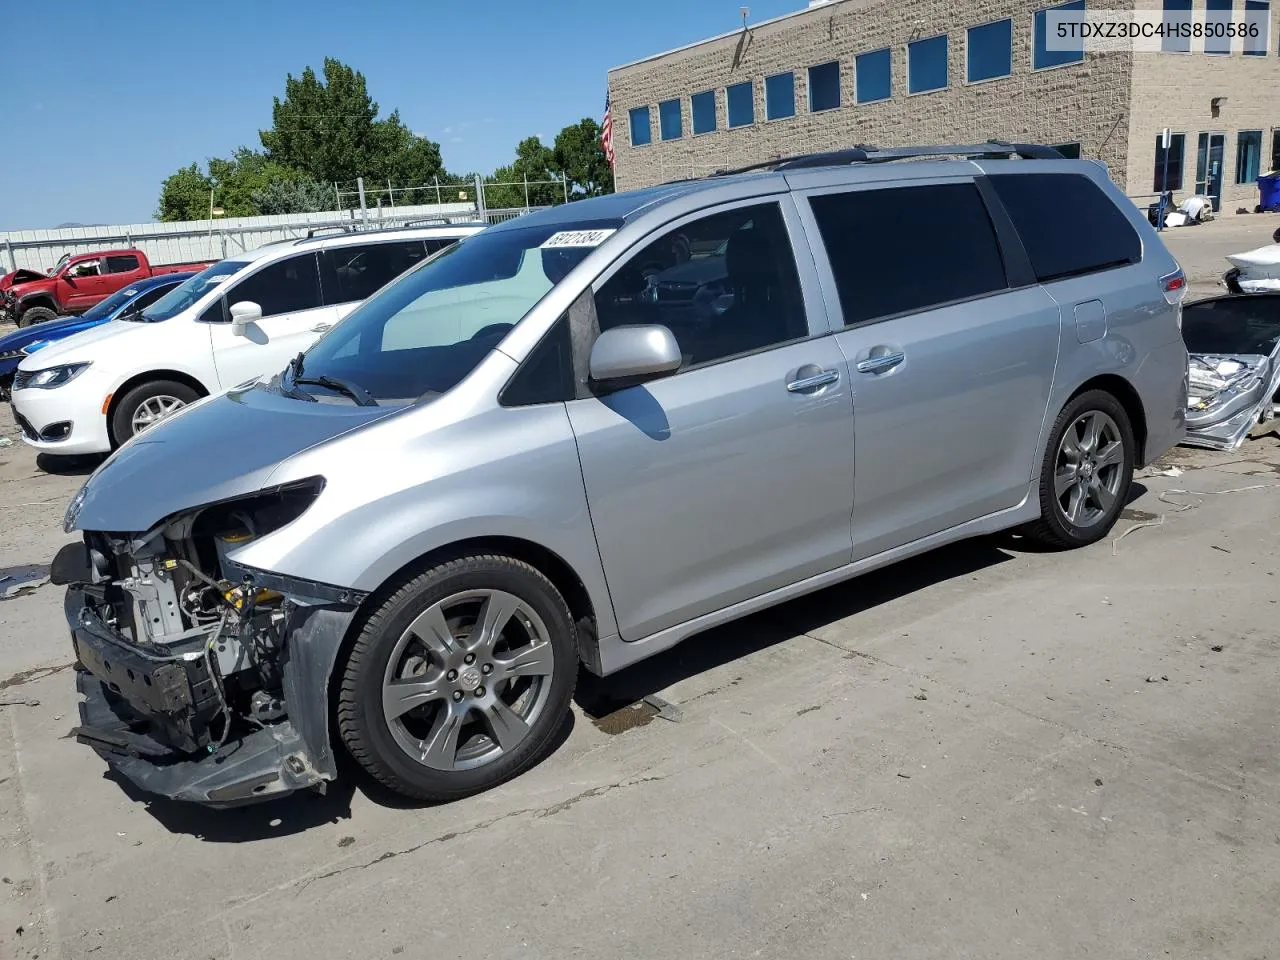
235 320
556 444
76 284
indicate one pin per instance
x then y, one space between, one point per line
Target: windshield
105 308
188 292
426 331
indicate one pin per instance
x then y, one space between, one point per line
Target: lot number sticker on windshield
577 238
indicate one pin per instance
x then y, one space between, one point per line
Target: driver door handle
812 383
881 363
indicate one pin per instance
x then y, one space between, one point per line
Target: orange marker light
106 403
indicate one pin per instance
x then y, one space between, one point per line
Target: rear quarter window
902 249
1068 225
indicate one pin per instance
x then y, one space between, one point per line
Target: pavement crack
536 813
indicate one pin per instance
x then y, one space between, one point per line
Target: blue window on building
990 51
780 96
1257 16
638 121
741 102
1041 56
1177 13
873 75
1217 17
669 125
1248 156
703 106
1177 150
824 86
927 64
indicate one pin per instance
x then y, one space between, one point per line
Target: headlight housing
51 377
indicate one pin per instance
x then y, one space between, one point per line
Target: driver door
293 317
82 285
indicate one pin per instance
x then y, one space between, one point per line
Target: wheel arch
1129 399
139 379
550 564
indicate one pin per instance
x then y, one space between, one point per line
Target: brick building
897 72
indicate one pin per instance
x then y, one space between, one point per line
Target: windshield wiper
295 366
359 394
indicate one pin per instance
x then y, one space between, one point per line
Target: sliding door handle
881 363
813 382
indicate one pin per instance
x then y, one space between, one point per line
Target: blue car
119 306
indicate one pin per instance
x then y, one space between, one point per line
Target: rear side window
358 272
122 264
909 248
150 297
286 286
1068 225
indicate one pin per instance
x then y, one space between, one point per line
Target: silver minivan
584 435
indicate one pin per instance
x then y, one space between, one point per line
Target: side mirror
625 356
242 314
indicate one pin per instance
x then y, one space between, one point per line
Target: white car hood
86 345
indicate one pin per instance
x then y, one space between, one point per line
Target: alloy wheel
467 680
154 409
1089 469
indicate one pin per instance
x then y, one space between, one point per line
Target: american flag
606 132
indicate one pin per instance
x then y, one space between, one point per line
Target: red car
76 284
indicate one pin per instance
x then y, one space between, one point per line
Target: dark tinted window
873 75
1177 149
703 106
1094 236
741 102
990 50
149 297
436 244
359 271
122 264
1217 20
546 376
1041 56
780 96
824 86
670 126
724 285
286 286
1248 156
1257 17
641 131
1232 324
1177 22
927 64
895 251
1069 150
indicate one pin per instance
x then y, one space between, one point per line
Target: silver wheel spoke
1111 454
496 613
433 630
532 661
1076 501
1103 496
1065 479
1091 428
1071 446
507 727
440 748
401 696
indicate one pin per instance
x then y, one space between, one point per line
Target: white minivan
241 318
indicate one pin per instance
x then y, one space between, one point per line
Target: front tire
33 315
146 405
1086 472
459 679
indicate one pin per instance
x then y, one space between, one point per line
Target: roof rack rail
862 153
340 227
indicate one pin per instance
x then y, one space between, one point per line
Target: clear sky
102 101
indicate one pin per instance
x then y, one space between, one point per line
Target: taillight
1174 286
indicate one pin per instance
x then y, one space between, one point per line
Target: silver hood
223 447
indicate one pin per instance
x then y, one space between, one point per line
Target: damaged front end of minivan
204 680
1233 343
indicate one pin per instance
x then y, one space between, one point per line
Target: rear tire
148 404
459 679
33 315
1086 472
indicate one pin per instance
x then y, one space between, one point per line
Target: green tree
247 173
284 195
184 195
580 158
329 130
535 162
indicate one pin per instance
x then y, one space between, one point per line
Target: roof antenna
746 12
